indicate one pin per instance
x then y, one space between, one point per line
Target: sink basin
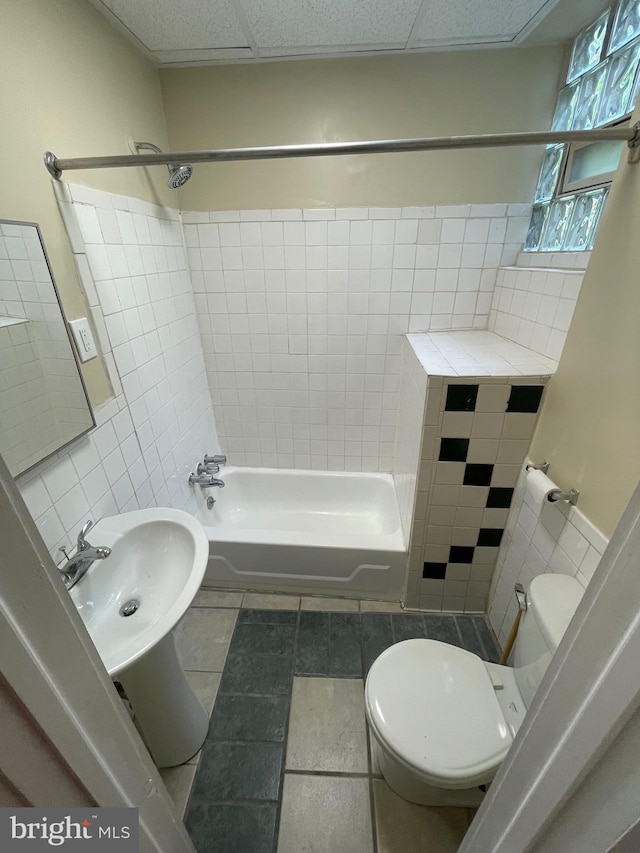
158 559
157 563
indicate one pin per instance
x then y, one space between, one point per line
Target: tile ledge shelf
6 321
477 353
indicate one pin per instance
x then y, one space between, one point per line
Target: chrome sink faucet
77 566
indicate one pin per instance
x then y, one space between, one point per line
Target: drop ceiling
180 32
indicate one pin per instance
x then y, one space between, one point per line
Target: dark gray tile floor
236 797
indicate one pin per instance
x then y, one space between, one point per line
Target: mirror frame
65 322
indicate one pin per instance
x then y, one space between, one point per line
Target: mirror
43 400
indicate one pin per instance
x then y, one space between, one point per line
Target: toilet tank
552 600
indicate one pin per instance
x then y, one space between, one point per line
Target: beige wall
364 98
71 84
589 428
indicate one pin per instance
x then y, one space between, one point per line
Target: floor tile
327 726
178 781
325 814
202 638
380 607
239 771
271 602
490 646
441 628
232 827
264 675
205 685
312 653
345 605
249 718
217 598
408 626
470 639
376 636
250 638
345 645
404 827
268 617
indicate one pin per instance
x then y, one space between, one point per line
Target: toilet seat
434 707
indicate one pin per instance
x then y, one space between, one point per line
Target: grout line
343 774
372 804
285 743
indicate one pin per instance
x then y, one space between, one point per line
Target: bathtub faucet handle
217 459
207 469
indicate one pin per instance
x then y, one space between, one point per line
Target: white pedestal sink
157 563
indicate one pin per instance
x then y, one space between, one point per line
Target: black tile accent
499 498
490 536
345 653
263 675
269 617
269 639
525 398
232 827
376 636
434 571
476 474
238 771
312 652
492 652
453 449
441 628
461 554
249 718
407 626
470 639
461 398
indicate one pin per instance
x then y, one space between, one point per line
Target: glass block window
587 48
621 76
626 25
602 86
584 220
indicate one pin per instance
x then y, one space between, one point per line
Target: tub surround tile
327 727
325 814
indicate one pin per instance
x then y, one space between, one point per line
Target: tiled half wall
475 437
540 537
302 314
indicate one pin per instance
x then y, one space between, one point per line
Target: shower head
179 173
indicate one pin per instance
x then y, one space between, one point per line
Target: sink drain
130 607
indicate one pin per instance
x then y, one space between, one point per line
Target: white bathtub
306 531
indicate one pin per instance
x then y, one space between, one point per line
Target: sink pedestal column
169 716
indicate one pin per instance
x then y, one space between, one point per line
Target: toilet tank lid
553 598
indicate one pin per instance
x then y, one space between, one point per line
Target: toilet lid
434 706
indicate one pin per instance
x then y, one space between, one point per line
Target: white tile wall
540 538
413 392
133 267
533 306
302 314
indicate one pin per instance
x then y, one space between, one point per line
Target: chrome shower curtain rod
630 135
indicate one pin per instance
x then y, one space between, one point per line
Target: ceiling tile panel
469 21
183 25
302 23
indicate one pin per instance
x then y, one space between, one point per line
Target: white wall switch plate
83 339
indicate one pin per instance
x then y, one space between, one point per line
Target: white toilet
442 719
